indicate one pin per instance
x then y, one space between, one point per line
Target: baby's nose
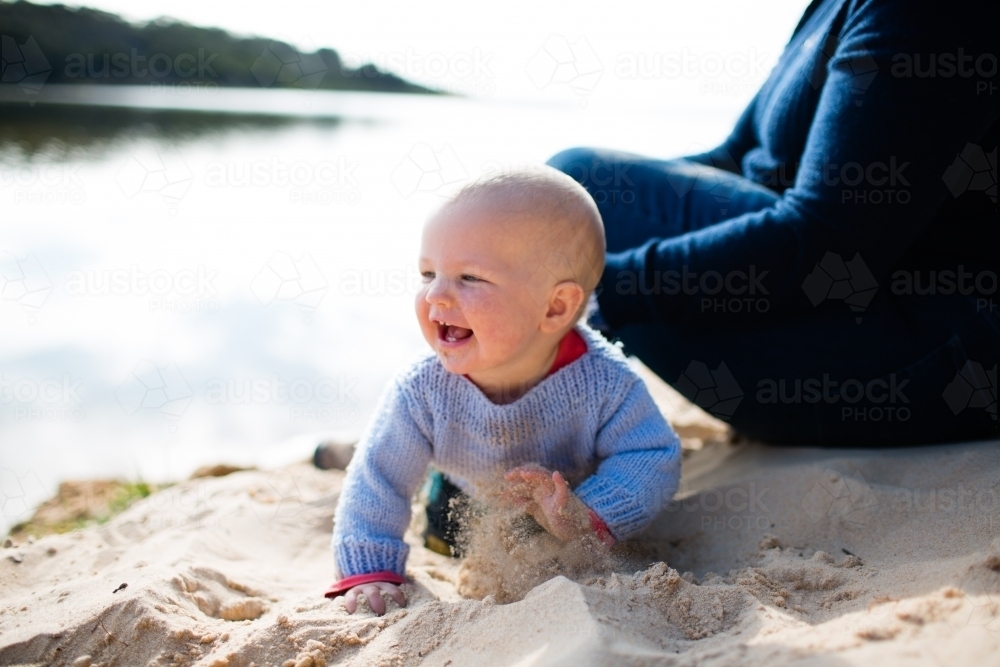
438 292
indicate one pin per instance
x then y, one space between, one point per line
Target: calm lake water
187 288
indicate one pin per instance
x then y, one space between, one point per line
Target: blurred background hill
60 44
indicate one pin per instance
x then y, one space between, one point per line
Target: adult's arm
729 154
918 124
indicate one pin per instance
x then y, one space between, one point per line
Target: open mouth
451 333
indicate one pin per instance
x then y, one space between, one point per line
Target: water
182 289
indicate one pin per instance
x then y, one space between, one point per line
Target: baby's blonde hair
572 242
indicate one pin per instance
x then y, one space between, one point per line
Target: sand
769 555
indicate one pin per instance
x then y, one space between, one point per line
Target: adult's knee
577 163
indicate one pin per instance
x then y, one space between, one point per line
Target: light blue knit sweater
592 420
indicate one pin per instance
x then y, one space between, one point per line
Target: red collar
571 347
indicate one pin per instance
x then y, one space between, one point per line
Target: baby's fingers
517 498
351 601
525 483
561 493
535 476
517 493
513 475
375 601
394 593
526 473
538 483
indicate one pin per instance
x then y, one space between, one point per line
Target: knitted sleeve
374 507
640 467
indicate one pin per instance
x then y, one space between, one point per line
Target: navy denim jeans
903 370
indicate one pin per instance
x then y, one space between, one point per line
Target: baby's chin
462 362
455 365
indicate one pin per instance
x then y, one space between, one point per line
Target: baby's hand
373 591
547 497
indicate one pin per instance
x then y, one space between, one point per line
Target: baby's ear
565 302
554 266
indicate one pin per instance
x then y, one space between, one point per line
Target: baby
516 391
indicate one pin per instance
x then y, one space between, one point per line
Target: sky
613 54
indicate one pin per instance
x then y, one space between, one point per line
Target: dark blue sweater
888 91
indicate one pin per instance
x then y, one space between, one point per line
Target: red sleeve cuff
601 529
347 583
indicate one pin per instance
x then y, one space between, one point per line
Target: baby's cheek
427 328
480 307
420 305
505 335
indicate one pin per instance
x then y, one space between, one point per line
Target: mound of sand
769 555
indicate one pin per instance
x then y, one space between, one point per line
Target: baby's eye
427 275
470 279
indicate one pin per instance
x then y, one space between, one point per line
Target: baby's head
508 265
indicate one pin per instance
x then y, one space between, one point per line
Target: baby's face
481 304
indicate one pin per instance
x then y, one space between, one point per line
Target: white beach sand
771 556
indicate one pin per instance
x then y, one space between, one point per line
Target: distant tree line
59 44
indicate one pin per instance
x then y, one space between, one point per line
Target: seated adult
827 275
